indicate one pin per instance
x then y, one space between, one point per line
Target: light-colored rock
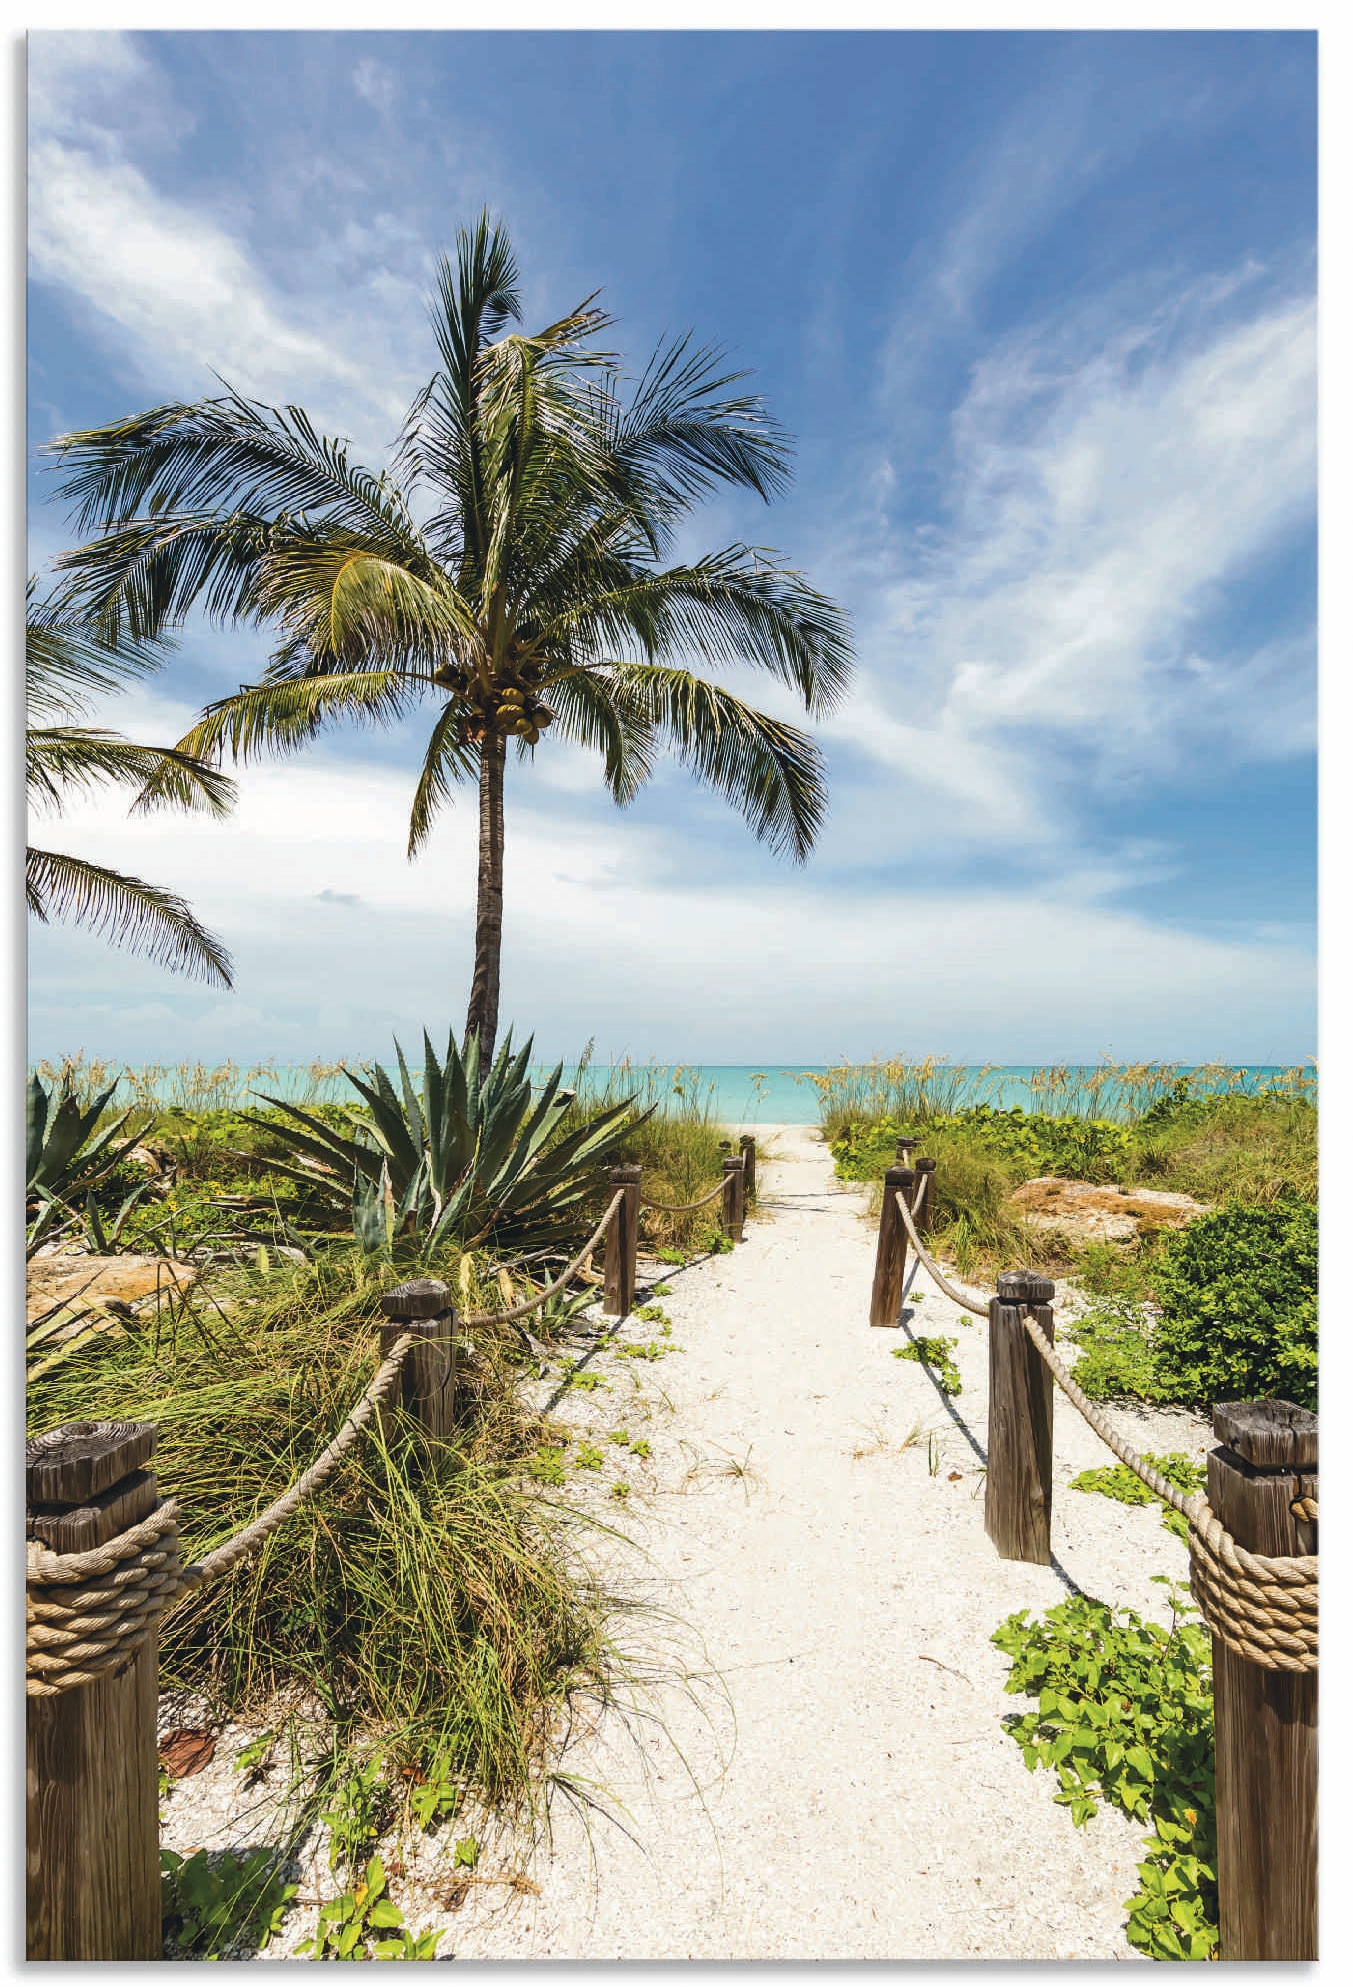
84 1281
1100 1213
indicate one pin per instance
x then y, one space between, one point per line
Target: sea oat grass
432 1604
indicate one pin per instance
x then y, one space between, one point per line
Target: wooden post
734 1201
890 1258
428 1379
748 1145
93 1787
905 1148
925 1220
622 1245
1019 1421
1265 1719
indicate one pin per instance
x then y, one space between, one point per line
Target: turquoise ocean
728 1092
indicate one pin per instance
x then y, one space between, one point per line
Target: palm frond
446 762
770 772
129 912
58 758
280 717
679 437
735 606
66 667
343 600
597 710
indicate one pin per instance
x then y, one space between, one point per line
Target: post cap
1272 1434
624 1176
1010 1286
423 1298
1038 1289
899 1176
72 1464
924 1165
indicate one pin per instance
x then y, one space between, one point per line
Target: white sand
830 1780
857 1795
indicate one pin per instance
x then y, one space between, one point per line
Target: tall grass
912 1093
194 1087
676 1138
432 1604
902 1091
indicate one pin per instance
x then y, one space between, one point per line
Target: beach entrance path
830 1779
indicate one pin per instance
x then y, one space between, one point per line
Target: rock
1102 1213
83 1281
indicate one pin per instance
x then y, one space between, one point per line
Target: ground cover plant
1125 1715
1117 1481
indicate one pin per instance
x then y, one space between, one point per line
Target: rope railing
963 1299
1261 1605
685 1207
86 1609
534 1303
1264 1607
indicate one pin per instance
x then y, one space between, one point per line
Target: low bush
1238 1306
1125 1715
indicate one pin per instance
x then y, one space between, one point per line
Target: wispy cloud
1101 504
375 84
164 279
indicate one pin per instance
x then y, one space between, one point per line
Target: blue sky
1039 310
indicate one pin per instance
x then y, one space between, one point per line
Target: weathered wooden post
890 1257
428 1378
905 1148
925 1220
734 1202
93 1849
1266 1720
1018 1507
622 1245
748 1145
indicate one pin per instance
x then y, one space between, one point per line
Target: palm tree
520 561
64 667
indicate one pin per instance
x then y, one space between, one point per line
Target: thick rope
550 1290
1263 1608
686 1207
87 1611
964 1301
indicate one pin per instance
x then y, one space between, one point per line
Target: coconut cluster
511 706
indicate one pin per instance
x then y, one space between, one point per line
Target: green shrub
1116 1353
1036 1144
1125 1715
1238 1307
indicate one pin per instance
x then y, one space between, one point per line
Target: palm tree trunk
488 929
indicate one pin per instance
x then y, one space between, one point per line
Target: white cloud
184 297
1101 506
699 969
375 84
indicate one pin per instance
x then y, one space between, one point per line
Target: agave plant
478 1160
67 1156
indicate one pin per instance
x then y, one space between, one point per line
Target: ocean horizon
733 1093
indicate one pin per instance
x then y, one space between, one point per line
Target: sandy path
857 1797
